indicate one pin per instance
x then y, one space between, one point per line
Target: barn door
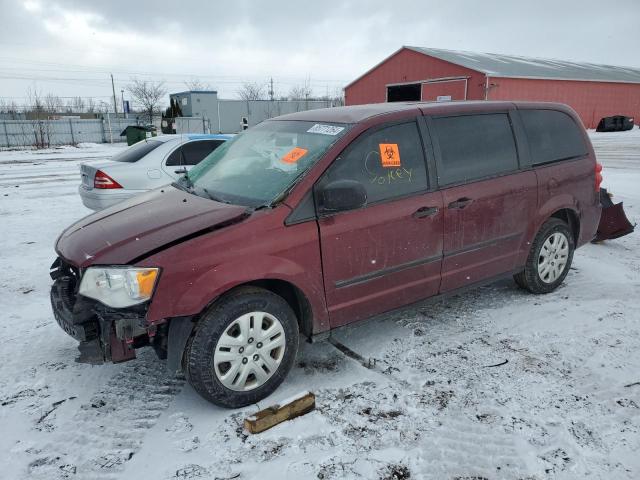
444 90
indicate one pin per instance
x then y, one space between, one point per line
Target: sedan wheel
250 351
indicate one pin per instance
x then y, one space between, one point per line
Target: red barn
429 74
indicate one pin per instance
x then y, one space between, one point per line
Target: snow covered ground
428 394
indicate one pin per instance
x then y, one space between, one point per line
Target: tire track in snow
14 173
37 161
58 179
106 432
467 448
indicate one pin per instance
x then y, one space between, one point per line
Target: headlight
119 287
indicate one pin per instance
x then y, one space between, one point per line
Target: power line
106 82
106 70
62 97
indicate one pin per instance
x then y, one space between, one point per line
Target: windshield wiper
282 195
213 197
184 182
182 187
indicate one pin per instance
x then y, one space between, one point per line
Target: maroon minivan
317 219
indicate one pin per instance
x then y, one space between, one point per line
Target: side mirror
342 195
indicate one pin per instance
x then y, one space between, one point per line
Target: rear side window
474 146
388 162
136 151
552 136
192 153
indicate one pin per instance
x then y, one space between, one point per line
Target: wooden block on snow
286 410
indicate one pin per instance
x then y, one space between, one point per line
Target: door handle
460 203
425 212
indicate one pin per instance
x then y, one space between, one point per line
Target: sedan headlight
119 287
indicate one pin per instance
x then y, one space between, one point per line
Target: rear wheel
550 258
242 348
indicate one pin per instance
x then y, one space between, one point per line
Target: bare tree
301 92
91 105
10 108
13 108
52 103
252 91
337 97
103 107
298 92
38 116
77 104
195 84
148 94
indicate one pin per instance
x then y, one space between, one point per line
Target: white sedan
145 165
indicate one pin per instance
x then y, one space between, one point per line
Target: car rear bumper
96 199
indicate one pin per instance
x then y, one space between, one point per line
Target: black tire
530 278
199 351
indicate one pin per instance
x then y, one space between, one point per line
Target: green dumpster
135 133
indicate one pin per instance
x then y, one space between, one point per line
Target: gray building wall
225 116
197 103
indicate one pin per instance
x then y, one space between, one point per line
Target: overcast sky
69 47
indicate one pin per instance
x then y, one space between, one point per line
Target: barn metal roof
512 66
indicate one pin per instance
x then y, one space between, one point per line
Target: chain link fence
69 131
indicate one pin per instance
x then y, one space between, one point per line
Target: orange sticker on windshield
389 154
294 155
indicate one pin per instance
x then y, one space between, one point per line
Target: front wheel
550 258
243 347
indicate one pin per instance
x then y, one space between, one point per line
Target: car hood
141 225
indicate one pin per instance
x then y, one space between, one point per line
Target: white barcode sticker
325 129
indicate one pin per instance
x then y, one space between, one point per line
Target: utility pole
115 102
271 89
124 110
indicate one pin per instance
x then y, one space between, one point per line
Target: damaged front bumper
105 334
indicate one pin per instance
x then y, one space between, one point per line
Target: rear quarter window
474 147
136 151
552 136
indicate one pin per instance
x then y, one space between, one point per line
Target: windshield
136 151
259 165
